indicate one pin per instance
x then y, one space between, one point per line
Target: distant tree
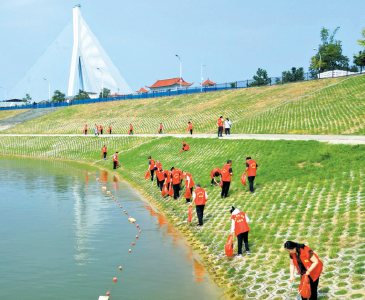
58 96
293 75
261 78
359 60
27 98
81 95
233 85
362 42
329 56
106 93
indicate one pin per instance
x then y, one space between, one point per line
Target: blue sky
233 38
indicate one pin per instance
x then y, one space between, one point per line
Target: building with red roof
168 84
141 91
208 83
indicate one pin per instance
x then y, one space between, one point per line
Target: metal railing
198 89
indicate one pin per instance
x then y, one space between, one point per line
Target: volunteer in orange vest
115 160
167 175
189 183
151 166
240 228
220 126
85 129
226 178
130 129
101 129
215 173
306 262
160 175
181 177
190 127
200 197
160 130
110 129
251 167
185 146
104 152
175 174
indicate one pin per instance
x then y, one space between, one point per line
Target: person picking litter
240 227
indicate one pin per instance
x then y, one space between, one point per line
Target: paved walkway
332 139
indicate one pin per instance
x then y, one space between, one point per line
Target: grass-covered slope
305 191
245 107
5 114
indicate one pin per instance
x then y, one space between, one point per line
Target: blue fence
191 90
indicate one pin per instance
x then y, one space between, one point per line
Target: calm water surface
62 237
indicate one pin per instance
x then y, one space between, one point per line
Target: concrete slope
26 116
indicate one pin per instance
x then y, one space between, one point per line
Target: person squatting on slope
185 147
220 126
200 197
306 262
130 129
85 129
227 126
151 166
115 160
226 178
240 228
175 174
104 150
190 127
189 183
215 173
251 167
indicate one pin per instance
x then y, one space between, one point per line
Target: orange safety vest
160 175
160 126
188 186
251 168
85 128
159 166
240 223
305 258
110 128
101 127
152 165
220 122
115 157
175 177
200 198
226 176
213 172
180 174
168 174
131 127
186 146
104 149
190 126
97 127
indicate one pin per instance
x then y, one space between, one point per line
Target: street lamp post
180 68
201 76
49 90
102 83
320 60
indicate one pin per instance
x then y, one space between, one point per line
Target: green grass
319 203
311 107
5 114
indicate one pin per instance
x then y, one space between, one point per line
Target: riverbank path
331 139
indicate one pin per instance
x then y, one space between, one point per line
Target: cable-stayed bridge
75 60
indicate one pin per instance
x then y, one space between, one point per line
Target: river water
63 237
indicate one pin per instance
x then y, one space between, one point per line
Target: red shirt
220 122
213 172
160 126
152 164
85 128
200 198
240 223
305 258
190 126
251 167
226 173
115 157
131 127
104 149
160 175
175 177
191 184
186 146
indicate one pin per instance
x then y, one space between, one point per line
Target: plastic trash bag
304 287
147 175
229 246
243 178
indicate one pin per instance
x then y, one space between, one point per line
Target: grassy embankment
306 191
5 114
338 109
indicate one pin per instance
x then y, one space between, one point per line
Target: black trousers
220 131
114 164
131 132
199 212
152 173
110 131
160 184
176 188
101 131
227 131
314 287
191 131
242 237
191 190
104 154
160 131
212 182
225 188
250 180
85 132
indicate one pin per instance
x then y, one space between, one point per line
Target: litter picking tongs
291 287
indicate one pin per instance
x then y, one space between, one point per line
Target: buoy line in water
130 220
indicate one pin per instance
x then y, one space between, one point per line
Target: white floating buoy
108 192
131 220
104 188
